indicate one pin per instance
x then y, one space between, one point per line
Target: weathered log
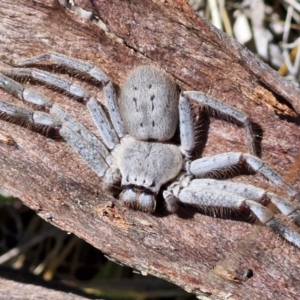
52 180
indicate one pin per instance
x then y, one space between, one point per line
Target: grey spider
135 149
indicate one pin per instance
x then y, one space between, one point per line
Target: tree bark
52 180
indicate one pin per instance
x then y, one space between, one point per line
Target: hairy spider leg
235 197
92 150
88 69
110 134
217 163
285 206
186 122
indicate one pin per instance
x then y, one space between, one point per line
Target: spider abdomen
146 96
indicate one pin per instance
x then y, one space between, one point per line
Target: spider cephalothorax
135 149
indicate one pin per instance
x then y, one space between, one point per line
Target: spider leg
93 72
92 150
186 124
217 163
50 79
40 118
216 198
248 191
22 93
104 126
97 163
205 100
80 138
